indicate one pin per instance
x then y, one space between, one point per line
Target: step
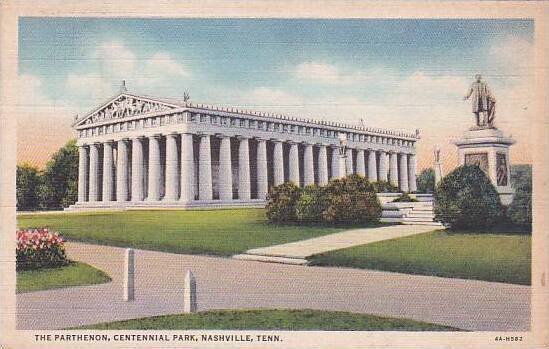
417 219
271 259
436 224
421 215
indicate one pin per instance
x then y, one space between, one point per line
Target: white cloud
116 59
162 63
329 74
118 62
513 54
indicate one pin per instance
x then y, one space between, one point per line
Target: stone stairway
418 213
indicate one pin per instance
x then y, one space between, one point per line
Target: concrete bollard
189 293
129 275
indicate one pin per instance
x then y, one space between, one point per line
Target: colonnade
178 167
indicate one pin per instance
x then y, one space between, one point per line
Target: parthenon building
138 151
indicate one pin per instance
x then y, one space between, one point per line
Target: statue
438 165
483 103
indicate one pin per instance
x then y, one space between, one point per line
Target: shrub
384 187
311 204
27 184
426 181
520 210
39 248
351 200
282 200
405 198
466 199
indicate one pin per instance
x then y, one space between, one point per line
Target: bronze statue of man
483 103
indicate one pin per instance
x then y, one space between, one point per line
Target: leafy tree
426 181
520 210
27 184
60 179
467 199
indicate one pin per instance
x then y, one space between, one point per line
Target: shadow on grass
500 229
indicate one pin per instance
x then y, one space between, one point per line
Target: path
227 283
297 252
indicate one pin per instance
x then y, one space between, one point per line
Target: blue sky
402 74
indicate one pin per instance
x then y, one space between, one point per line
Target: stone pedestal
488 148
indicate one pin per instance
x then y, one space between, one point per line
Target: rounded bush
311 204
39 248
466 199
405 197
282 200
351 200
384 187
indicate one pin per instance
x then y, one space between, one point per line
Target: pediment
124 105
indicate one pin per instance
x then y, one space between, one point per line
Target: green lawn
73 274
215 232
271 320
490 257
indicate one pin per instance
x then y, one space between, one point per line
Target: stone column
393 173
294 163
336 158
138 192
205 191
154 168
82 173
262 179
278 163
372 166
308 165
108 182
172 178
225 169
244 185
94 172
187 168
349 162
322 165
383 166
403 173
412 184
360 164
122 171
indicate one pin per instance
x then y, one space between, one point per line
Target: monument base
488 148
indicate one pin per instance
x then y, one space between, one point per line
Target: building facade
137 151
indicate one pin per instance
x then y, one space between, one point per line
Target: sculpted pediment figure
123 106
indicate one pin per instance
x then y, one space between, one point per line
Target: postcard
260 174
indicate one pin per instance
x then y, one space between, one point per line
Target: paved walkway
348 238
227 283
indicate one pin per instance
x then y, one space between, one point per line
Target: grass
465 255
73 274
271 319
214 232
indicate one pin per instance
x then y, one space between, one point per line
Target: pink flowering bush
39 248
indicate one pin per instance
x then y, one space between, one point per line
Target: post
129 275
189 293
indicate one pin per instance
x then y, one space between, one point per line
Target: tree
467 199
520 210
426 181
60 179
27 183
